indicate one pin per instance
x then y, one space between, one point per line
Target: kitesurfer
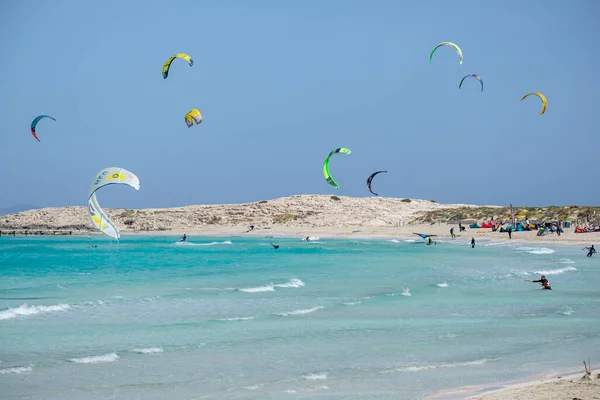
183 238
472 243
429 241
275 246
452 233
543 282
591 250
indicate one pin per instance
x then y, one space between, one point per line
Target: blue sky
281 84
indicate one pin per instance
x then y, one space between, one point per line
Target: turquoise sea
234 318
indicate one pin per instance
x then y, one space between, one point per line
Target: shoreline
481 235
543 386
369 233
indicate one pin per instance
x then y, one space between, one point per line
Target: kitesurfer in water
183 238
543 282
472 243
275 246
591 250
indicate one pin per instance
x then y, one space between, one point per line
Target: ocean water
234 318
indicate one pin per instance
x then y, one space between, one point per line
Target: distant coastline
320 215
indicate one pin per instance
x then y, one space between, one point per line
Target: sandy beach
551 386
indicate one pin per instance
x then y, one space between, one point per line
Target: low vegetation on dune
574 214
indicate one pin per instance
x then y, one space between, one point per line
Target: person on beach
183 238
591 251
452 233
472 243
509 232
543 283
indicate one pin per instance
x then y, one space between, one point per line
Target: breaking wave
16 370
300 312
148 350
292 283
110 357
556 271
536 250
27 311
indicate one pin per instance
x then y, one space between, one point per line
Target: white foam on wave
409 240
203 244
394 241
16 370
105 358
352 303
148 350
300 312
27 311
556 271
292 283
567 261
565 310
320 376
236 319
405 292
536 250
443 284
495 244
267 288
417 368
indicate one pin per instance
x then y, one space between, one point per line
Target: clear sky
280 84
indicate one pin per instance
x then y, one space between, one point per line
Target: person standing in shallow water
509 232
591 252
543 283
452 233
472 243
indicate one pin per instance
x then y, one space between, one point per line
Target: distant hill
17 208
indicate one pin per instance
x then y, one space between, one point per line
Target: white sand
550 387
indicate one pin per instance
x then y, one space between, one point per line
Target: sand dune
311 211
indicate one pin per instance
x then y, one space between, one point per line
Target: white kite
108 176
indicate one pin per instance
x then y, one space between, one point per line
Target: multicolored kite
454 46
193 116
326 173
35 122
165 69
474 76
108 176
